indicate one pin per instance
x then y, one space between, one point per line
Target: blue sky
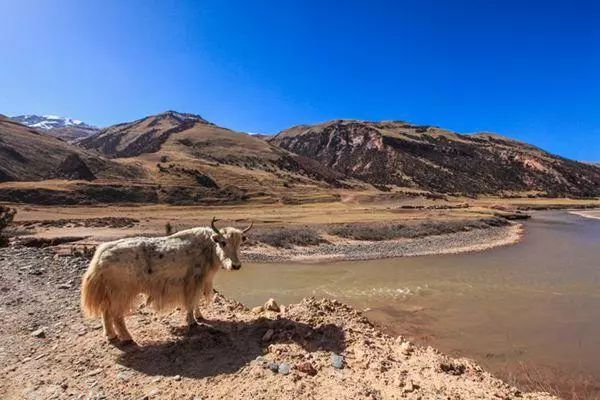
526 69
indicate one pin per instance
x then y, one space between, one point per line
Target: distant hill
194 160
27 154
64 128
397 153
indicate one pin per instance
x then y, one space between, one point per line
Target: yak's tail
94 291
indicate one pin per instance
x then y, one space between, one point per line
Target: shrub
288 237
168 229
6 216
379 231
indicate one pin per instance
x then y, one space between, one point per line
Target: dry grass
390 231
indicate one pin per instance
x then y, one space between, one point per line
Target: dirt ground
317 349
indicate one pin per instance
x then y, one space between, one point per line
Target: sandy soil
321 349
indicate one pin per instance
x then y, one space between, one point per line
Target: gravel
369 250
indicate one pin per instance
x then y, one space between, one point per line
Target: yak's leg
121 329
107 324
191 303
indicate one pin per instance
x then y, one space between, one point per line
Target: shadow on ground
227 347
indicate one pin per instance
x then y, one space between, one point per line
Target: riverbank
592 214
336 249
320 349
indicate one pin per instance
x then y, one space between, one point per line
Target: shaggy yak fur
171 271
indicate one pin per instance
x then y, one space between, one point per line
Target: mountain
397 153
27 154
65 128
193 160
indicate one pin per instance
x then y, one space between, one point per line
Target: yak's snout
236 266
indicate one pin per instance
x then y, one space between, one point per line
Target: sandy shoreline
352 250
592 214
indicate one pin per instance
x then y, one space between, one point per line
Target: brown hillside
398 153
29 155
192 160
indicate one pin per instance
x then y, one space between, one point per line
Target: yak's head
229 240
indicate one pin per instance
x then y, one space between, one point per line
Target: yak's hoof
201 326
112 340
210 328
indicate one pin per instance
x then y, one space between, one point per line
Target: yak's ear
217 238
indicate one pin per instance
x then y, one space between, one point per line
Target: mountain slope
425 157
29 155
194 160
64 128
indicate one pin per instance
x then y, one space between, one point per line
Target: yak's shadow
228 347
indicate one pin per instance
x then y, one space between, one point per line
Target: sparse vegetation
288 237
168 229
6 216
375 232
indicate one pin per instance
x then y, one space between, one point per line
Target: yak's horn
214 228
249 227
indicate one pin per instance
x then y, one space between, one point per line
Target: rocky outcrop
74 168
400 154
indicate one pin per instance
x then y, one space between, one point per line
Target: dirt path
49 352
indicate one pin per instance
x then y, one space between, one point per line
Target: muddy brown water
530 313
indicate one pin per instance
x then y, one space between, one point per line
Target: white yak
172 271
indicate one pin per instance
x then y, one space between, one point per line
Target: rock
271 305
94 372
258 310
406 348
153 392
124 375
177 377
337 361
307 368
39 333
268 335
410 387
284 368
64 286
273 366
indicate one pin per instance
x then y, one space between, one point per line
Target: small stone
258 310
124 375
94 372
64 286
268 335
273 366
406 348
260 360
271 305
337 361
284 368
307 368
177 377
39 333
153 392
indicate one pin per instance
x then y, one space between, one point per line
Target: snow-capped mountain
68 129
50 121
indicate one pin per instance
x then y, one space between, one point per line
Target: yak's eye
244 238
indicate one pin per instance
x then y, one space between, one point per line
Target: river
530 312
